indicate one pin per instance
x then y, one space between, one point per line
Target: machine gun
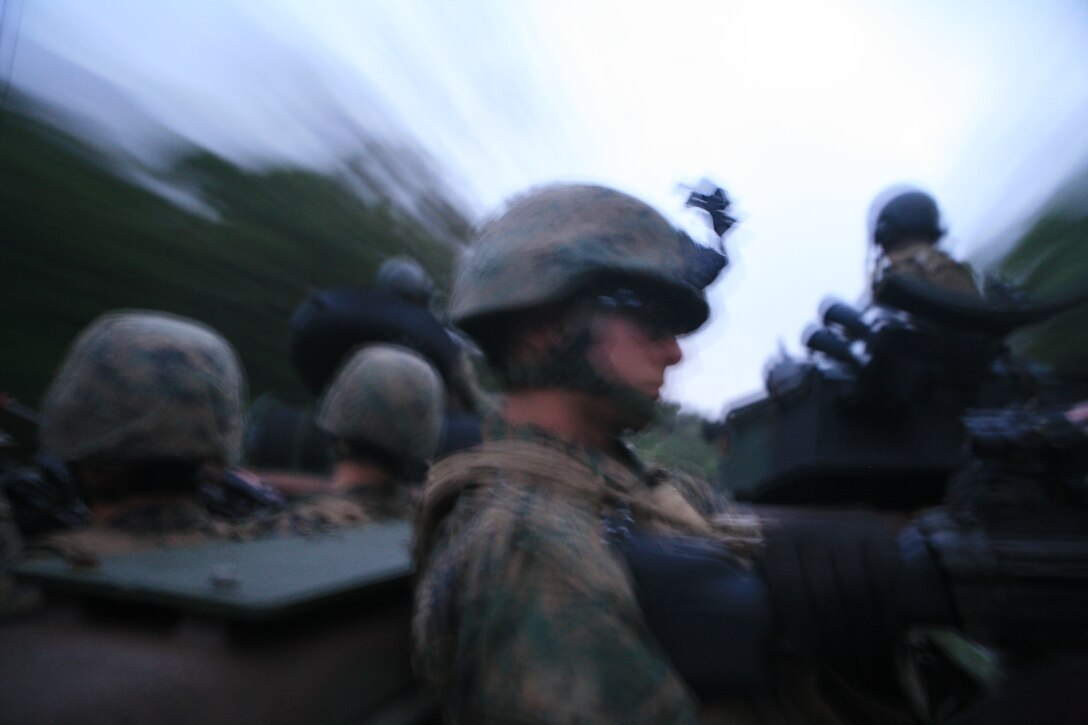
1049 441
999 570
874 415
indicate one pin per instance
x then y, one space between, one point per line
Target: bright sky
803 110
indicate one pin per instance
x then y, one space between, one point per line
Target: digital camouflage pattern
359 505
141 385
922 261
554 240
165 524
177 521
523 612
388 397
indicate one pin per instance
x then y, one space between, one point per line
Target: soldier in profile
145 412
384 413
523 613
905 229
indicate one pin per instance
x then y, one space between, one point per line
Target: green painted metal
255 581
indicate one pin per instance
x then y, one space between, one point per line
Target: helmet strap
568 367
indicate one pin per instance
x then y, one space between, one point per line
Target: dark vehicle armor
873 416
300 630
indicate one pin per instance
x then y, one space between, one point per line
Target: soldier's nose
671 350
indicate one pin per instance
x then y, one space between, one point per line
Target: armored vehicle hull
285 630
873 416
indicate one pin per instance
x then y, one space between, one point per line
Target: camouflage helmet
388 397
404 277
139 385
555 241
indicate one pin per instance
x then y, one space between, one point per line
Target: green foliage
676 440
82 237
1052 258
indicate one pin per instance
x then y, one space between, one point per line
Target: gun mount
873 415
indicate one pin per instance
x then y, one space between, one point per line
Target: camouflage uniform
153 388
921 260
359 505
161 525
905 225
524 614
388 400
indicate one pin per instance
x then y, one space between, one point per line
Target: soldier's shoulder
500 513
514 528
325 511
532 508
703 497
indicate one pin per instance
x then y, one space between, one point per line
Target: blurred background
219 158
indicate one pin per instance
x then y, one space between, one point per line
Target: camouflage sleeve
939 270
548 629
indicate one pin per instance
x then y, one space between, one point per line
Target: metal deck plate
255 580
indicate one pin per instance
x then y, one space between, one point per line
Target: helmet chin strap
568 367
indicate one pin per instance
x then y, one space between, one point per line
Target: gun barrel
825 341
848 318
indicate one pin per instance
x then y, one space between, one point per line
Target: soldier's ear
539 332
537 339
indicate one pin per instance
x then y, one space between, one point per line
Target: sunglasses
652 313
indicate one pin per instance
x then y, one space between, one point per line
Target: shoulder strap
661 507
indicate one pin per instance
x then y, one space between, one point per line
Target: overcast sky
803 110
